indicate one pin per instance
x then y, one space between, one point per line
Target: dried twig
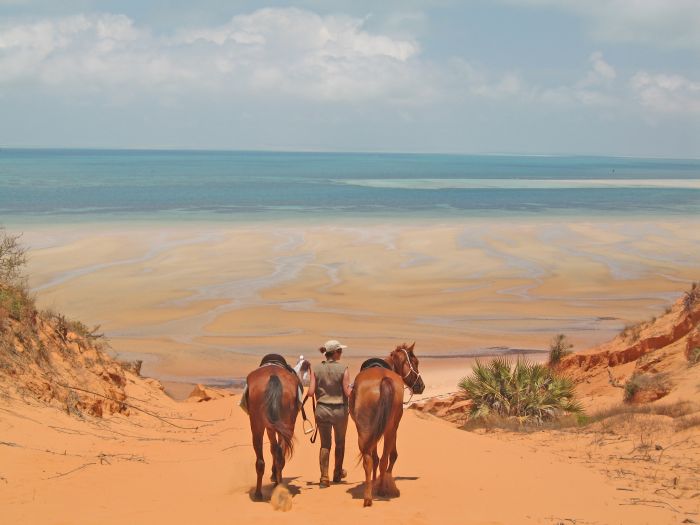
614 382
652 503
71 471
147 412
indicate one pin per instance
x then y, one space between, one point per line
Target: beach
469 232
151 472
199 264
203 302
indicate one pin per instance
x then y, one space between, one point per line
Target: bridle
411 370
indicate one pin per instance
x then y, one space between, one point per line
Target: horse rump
273 405
381 416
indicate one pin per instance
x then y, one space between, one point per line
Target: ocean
45 185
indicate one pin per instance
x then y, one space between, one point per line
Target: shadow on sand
269 487
358 491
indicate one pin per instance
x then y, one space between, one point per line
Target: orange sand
56 469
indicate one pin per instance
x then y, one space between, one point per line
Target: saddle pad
375 362
276 359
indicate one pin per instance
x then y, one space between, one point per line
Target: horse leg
387 487
375 463
367 463
392 459
279 462
259 461
272 436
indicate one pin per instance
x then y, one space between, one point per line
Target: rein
311 428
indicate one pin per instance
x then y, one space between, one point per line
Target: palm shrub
529 392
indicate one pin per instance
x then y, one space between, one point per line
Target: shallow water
88 185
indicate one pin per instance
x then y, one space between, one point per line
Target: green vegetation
15 300
558 348
694 356
12 259
632 332
526 392
639 382
691 297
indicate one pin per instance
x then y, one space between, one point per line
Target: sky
561 77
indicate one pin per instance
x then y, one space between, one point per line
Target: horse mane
405 346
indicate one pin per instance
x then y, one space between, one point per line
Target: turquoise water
56 185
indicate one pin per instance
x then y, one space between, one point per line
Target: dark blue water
49 185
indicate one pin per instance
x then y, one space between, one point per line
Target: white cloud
298 54
661 23
601 70
666 93
284 50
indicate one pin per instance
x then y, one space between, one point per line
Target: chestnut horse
376 406
273 405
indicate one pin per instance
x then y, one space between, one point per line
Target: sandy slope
56 469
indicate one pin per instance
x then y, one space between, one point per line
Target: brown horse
376 406
273 405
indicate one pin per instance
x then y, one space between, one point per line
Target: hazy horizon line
336 152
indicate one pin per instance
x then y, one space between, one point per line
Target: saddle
273 360
276 360
374 362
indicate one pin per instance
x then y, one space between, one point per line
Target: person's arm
346 383
312 384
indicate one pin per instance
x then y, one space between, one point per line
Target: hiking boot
338 476
323 462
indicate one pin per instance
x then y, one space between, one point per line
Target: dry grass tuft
648 387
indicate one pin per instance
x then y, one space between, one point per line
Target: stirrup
307 429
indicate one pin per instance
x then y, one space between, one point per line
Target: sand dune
57 469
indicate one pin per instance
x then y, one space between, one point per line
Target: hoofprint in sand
204 301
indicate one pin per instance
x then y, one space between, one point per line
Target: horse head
405 363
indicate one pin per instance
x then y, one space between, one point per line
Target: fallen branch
164 420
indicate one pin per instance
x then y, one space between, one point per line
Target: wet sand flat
206 300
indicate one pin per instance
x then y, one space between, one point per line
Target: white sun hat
333 345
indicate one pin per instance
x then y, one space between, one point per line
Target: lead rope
406 403
311 428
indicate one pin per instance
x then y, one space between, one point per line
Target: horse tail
272 404
381 416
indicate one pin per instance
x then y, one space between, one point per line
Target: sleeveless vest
329 383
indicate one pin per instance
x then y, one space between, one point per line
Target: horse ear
412 346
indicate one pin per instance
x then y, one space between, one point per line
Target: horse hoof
258 496
367 503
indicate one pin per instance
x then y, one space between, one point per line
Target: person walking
330 383
303 370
